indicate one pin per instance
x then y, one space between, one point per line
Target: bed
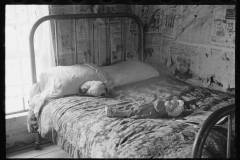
79 125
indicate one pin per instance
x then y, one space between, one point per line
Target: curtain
19 21
44 52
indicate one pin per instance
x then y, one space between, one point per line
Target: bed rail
208 125
82 16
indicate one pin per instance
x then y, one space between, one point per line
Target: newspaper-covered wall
193 42
99 41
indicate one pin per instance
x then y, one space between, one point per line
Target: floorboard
54 154
67 157
48 150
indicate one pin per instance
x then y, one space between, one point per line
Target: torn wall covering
193 42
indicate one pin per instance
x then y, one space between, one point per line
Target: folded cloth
157 109
143 111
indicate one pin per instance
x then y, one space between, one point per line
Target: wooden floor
48 150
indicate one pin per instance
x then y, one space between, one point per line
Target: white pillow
126 72
64 80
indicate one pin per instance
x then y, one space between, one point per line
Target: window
19 20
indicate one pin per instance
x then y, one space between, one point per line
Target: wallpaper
99 41
195 43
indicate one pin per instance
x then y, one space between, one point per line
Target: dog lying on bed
93 88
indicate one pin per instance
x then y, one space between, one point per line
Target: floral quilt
80 126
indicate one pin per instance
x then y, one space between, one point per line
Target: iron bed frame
80 16
206 127
74 17
209 124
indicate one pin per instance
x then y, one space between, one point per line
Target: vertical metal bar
99 48
106 35
142 45
229 136
38 141
75 39
125 54
56 38
93 53
141 41
89 41
125 40
122 39
109 44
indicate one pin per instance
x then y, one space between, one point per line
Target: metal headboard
82 16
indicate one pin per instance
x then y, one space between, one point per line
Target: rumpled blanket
80 127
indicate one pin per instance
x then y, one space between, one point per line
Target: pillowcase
126 72
64 80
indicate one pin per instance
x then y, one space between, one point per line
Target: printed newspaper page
223 33
183 54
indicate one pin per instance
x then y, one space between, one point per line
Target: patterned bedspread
79 124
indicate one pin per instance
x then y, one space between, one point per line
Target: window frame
22 95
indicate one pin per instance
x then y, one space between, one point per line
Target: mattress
79 125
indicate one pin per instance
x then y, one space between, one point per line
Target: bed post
38 142
206 127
